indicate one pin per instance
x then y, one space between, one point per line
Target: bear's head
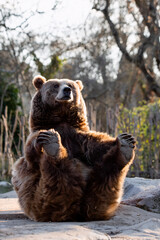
57 101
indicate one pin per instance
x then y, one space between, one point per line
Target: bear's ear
38 81
80 84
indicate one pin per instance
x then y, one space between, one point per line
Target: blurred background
113 46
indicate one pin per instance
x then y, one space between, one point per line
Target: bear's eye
70 85
56 86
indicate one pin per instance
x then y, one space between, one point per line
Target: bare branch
149 15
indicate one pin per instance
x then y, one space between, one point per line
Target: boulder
142 193
5 186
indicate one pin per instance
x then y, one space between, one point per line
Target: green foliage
9 101
144 123
9 96
50 69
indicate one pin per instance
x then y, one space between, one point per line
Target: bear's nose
67 90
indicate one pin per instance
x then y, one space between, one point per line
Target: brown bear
69 173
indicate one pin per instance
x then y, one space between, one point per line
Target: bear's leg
105 184
26 172
32 154
60 187
51 189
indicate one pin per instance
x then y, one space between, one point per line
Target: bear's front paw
127 145
50 141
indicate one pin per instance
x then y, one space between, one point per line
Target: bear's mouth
65 98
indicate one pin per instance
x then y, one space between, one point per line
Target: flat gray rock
129 222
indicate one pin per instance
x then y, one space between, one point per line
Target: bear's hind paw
50 141
127 145
127 140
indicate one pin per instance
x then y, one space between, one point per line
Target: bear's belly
71 143
74 150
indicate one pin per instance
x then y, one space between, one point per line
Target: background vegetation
116 53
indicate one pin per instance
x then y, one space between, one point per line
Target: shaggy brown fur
68 172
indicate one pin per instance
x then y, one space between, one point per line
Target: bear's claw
127 140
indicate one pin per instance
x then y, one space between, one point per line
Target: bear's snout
65 94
